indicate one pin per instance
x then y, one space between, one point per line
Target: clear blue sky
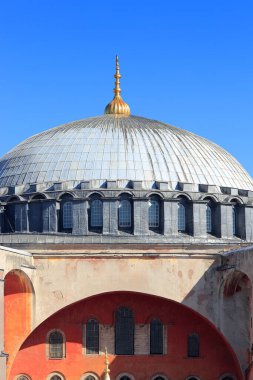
185 62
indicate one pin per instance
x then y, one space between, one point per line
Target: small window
154 214
193 345
227 378
125 378
192 378
55 377
234 220
67 215
96 210
92 337
209 224
159 378
89 377
156 337
124 332
125 214
181 217
56 343
23 377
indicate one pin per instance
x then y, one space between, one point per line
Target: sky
188 63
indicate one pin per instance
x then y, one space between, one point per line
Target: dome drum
151 213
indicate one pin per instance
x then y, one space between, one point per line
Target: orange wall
17 312
216 356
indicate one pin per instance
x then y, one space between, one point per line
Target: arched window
193 345
92 337
159 378
234 220
181 217
227 378
209 224
125 378
156 337
125 214
67 215
124 332
90 377
96 213
23 377
153 213
55 377
56 345
192 378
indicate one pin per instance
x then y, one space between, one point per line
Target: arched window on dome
96 214
56 345
125 214
156 337
124 331
92 337
35 213
66 213
209 219
155 214
55 377
23 377
181 217
238 219
193 345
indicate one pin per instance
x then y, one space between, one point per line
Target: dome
121 147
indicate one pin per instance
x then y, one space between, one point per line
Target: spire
107 370
117 106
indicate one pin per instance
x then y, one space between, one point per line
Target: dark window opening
124 332
92 337
156 337
193 345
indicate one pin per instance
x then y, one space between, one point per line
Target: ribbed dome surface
114 147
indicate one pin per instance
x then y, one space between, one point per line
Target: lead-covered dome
120 147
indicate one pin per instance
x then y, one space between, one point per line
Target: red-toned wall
17 312
216 356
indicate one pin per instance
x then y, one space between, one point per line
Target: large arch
235 311
18 306
216 355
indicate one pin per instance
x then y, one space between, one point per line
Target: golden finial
107 370
117 106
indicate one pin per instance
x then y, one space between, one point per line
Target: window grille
234 219
153 214
96 210
92 338
193 345
55 346
125 213
181 217
67 215
208 219
156 337
124 332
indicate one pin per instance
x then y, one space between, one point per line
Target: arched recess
236 298
18 305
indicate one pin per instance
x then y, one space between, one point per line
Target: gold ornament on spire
107 370
117 106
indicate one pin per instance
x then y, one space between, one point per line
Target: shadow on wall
223 295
